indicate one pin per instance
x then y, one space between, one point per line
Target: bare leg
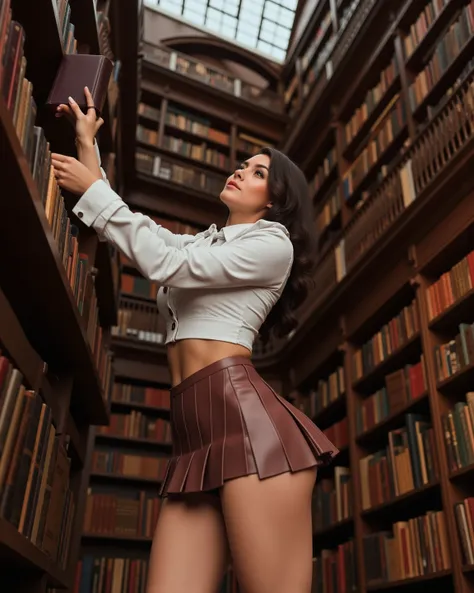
189 551
269 528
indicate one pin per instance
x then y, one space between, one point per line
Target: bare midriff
186 357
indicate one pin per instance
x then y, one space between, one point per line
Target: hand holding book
71 174
86 124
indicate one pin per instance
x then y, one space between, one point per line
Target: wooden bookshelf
54 337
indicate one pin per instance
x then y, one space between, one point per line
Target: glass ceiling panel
259 25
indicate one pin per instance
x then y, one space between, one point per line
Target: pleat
197 470
294 444
238 455
270 457
214 471
322 447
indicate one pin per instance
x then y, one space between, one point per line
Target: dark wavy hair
291 207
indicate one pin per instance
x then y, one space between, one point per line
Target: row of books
464 513
401 388
457 354
328 390
124 464
413 548
323 170
138 394
332 499
445 53
383 133
338 433
315 44
137 285
451 286
250 145
140 321
422 25
336 570
407 463
155 165
34 467
139 426
196 125
66 28
392 336
111 514
198 152
458 432
148 136
330 211
101 574
149 112
371 100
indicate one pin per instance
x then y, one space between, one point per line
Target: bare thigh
189 551
268 525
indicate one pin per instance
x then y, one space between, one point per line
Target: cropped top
216 285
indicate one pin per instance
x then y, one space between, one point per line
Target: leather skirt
227 422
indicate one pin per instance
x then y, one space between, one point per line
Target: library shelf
416 59
188 135
460 381
209 199
43 44
392 420
391 151
364 130
107 292
322 190
79 445
468 568
56 328
410 581
332 412
139 407
118 478
15 342
462 472
447 79
126 343
84 16
18 550
401 501
134 441
389 364
339 527
184 158
124 538
454 314
138 297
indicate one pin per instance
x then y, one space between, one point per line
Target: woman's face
246 191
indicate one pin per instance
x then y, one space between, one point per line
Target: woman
244 460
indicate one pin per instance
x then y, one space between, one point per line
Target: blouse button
173 326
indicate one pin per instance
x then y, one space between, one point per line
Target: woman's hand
86 124
71 174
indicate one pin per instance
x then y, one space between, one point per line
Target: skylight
261 25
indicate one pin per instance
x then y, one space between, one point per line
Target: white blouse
216 285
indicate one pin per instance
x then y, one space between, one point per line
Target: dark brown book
76 72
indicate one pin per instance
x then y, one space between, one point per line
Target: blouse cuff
97 205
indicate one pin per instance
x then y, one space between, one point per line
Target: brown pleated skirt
227 422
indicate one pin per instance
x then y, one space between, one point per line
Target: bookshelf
58 301
394 244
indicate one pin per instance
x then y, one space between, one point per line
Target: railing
192 68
